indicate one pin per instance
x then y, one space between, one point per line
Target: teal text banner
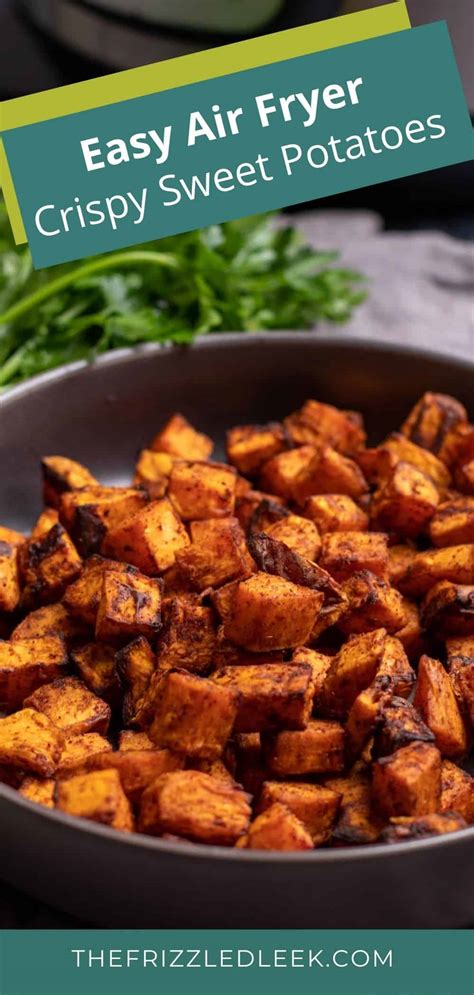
323 962
227 147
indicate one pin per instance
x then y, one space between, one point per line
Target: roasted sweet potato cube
135 665
97 796
257 510
457 791
138 768
195 806
92 512
217 554
269 696
320 665
322 423
277 828
432 418
82 598
79 753
276 558
453 523
400 725
400 558
30 742
129 606
335 513
26 664
39 790
280 473
71 706
11 536
9 577
48 565
448 609
179 438
365 716
152 471
193 715
357 822
372 604
51 620
313 804
223 598
329 473
460 650
45 522
345 553
436 701
202 490
411 635
462 677
398 448
299 534
250 769
250 446
395 665
318 749
352 670
404 829
60 475
405 502
130 740
148 540
454 563
269 612
409 781
96 665
188 638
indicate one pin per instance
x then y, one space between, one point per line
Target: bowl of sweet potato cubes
266 652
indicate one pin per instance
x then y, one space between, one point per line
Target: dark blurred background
47 43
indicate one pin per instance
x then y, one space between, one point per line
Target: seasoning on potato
272 653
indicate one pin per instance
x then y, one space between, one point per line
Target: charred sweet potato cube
400 558
269 696
400 725
193 715
365 716
82 597
299 534
395 665
277 828
131 740
44 523
345 553
329 472
60 475
179 438
436 701
148 540
461 672
91 513
448 609
256 510
322 423
274 557
26 664
313 804
457 791
195 806
39 790
351 671
30 742
79 753
71 706
280 473
217 553
372 604
48 565
409 781
137 769
51 620
250 446
357 823
152 471
129 606
97 796
318 749
432 418
453 563
269 612
202 490
335 513
460 650
404 829
188 638
453 523
96 665
405 502
135 665
320 665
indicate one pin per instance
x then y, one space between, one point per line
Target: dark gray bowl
103 414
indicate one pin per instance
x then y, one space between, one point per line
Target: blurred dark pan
101 415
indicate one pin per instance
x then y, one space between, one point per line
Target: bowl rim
197 851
